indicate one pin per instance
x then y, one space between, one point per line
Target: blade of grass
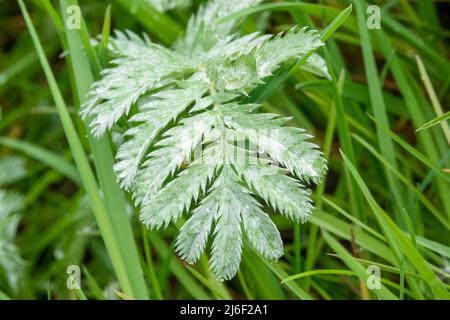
377 102
311 253
341 229
103 159
158 24
318 272
418 155
417 42
434 246
106 31
402 178
397 238
245 288
292 286
151 269
93 285
428 12
355 266
178 270
4 296
265 284
217 290
311 8
353 219
382 266
435 121
45 156
81 160
80 294
433 97
264 91
414 108
344 138
297 247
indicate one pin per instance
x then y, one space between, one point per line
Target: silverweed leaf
190 143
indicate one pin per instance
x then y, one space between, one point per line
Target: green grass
381 121
132 284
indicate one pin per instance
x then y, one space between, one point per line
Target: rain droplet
59 254
227 120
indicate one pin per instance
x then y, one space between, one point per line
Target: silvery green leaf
195 232
235 75
283 193
234 47
317 65
203 31
227 243
12 168
143 67
11 264
166 5
194 147
177 196
262 233
173 150
10 202
156 114
241 64
129 44
283 47
288 146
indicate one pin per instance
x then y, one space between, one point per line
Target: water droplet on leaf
227 120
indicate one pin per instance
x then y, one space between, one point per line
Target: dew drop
59 254
227 120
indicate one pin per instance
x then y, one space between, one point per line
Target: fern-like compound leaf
140 67
192 146
288 146
203 31
283 193
155 114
